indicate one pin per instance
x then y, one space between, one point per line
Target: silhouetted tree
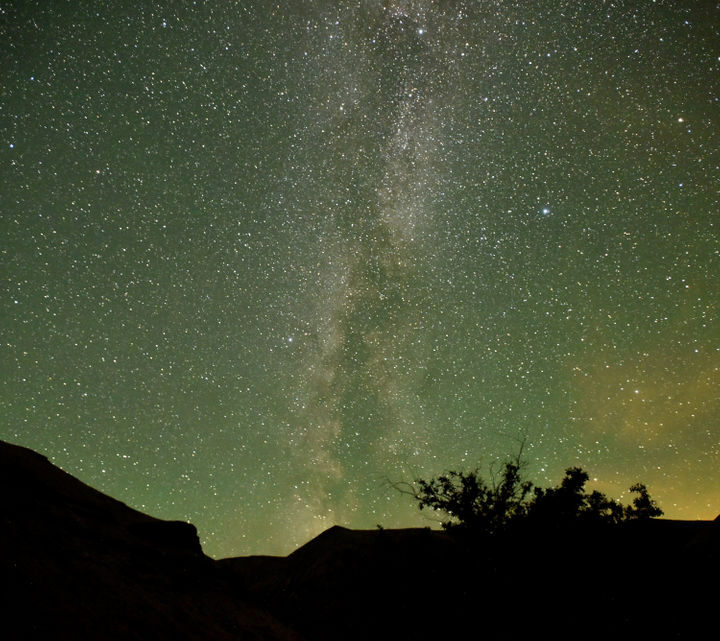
570 502
472 504
643 507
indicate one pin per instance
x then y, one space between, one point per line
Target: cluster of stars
256 260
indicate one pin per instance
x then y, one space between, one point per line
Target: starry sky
258 258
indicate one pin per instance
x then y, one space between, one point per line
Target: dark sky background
258 257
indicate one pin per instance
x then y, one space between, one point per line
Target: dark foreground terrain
77 564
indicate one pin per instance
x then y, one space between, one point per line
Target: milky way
258 259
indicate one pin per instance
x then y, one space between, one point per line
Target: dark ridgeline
80 565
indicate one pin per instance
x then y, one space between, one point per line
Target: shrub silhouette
471 503
643 507
571 503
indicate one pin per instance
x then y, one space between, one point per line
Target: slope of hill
77 564
643 579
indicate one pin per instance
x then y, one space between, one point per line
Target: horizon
439 527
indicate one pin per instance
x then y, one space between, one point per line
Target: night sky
257 258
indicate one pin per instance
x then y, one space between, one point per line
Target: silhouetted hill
640 580
353 584
80 565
